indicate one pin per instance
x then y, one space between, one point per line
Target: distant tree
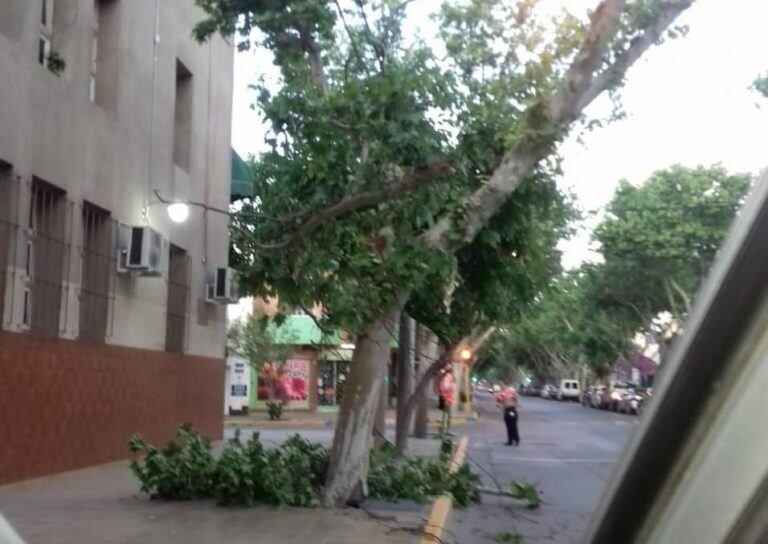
659 239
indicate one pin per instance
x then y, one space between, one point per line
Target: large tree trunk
405 364
348 467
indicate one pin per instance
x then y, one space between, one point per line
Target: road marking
433 528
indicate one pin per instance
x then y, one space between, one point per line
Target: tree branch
358 201
578 78
352 40
543 126
637 47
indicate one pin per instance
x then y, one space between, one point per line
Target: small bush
291 474
179 472
508 538
526 492
275 409
418 479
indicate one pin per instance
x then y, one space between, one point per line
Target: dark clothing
510 420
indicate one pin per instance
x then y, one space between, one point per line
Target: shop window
95 272
178 300
288 381
331 378
45 258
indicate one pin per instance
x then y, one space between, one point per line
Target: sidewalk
308 420
102 504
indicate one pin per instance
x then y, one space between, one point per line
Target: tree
761 85
364 144
567 326
658 242
659 239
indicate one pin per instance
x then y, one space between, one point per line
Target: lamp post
466 355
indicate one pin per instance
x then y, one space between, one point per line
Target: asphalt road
566 450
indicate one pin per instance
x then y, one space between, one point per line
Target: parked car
534 390
616 393
549 391
568 390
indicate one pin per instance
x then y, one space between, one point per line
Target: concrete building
107 108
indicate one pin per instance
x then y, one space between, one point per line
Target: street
566 450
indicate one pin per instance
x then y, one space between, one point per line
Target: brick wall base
66 404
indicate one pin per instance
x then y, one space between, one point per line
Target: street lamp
466 354
178 212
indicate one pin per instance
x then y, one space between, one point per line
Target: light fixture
466 354
178 212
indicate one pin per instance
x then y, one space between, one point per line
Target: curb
438 514
460 420
279 424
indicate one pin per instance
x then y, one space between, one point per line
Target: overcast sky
687 102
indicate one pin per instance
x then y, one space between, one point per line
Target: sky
687 102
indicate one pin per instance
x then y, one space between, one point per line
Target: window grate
45 258
98 262
6 231
178 300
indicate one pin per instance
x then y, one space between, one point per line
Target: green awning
241 185
301 330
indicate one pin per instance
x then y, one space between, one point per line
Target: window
331 377
45 258
95 272
46 31
182 117
178 300
5 229
102 83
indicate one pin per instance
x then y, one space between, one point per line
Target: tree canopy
657 242
393 162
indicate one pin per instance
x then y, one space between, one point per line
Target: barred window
178 300
45 258
46 31
6 229
97 260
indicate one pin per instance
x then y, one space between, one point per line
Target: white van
568 390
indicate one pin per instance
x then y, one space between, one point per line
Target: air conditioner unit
222 287
141 250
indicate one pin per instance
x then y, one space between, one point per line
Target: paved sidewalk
102 505
308 420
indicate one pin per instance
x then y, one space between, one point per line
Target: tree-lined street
566 450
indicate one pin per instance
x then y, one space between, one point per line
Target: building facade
108 109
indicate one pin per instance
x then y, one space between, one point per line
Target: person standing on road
508 401
446 388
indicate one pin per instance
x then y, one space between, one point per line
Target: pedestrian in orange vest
446 387
507 400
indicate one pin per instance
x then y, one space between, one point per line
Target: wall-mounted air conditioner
141 250
222 287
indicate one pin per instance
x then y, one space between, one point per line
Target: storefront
313 374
